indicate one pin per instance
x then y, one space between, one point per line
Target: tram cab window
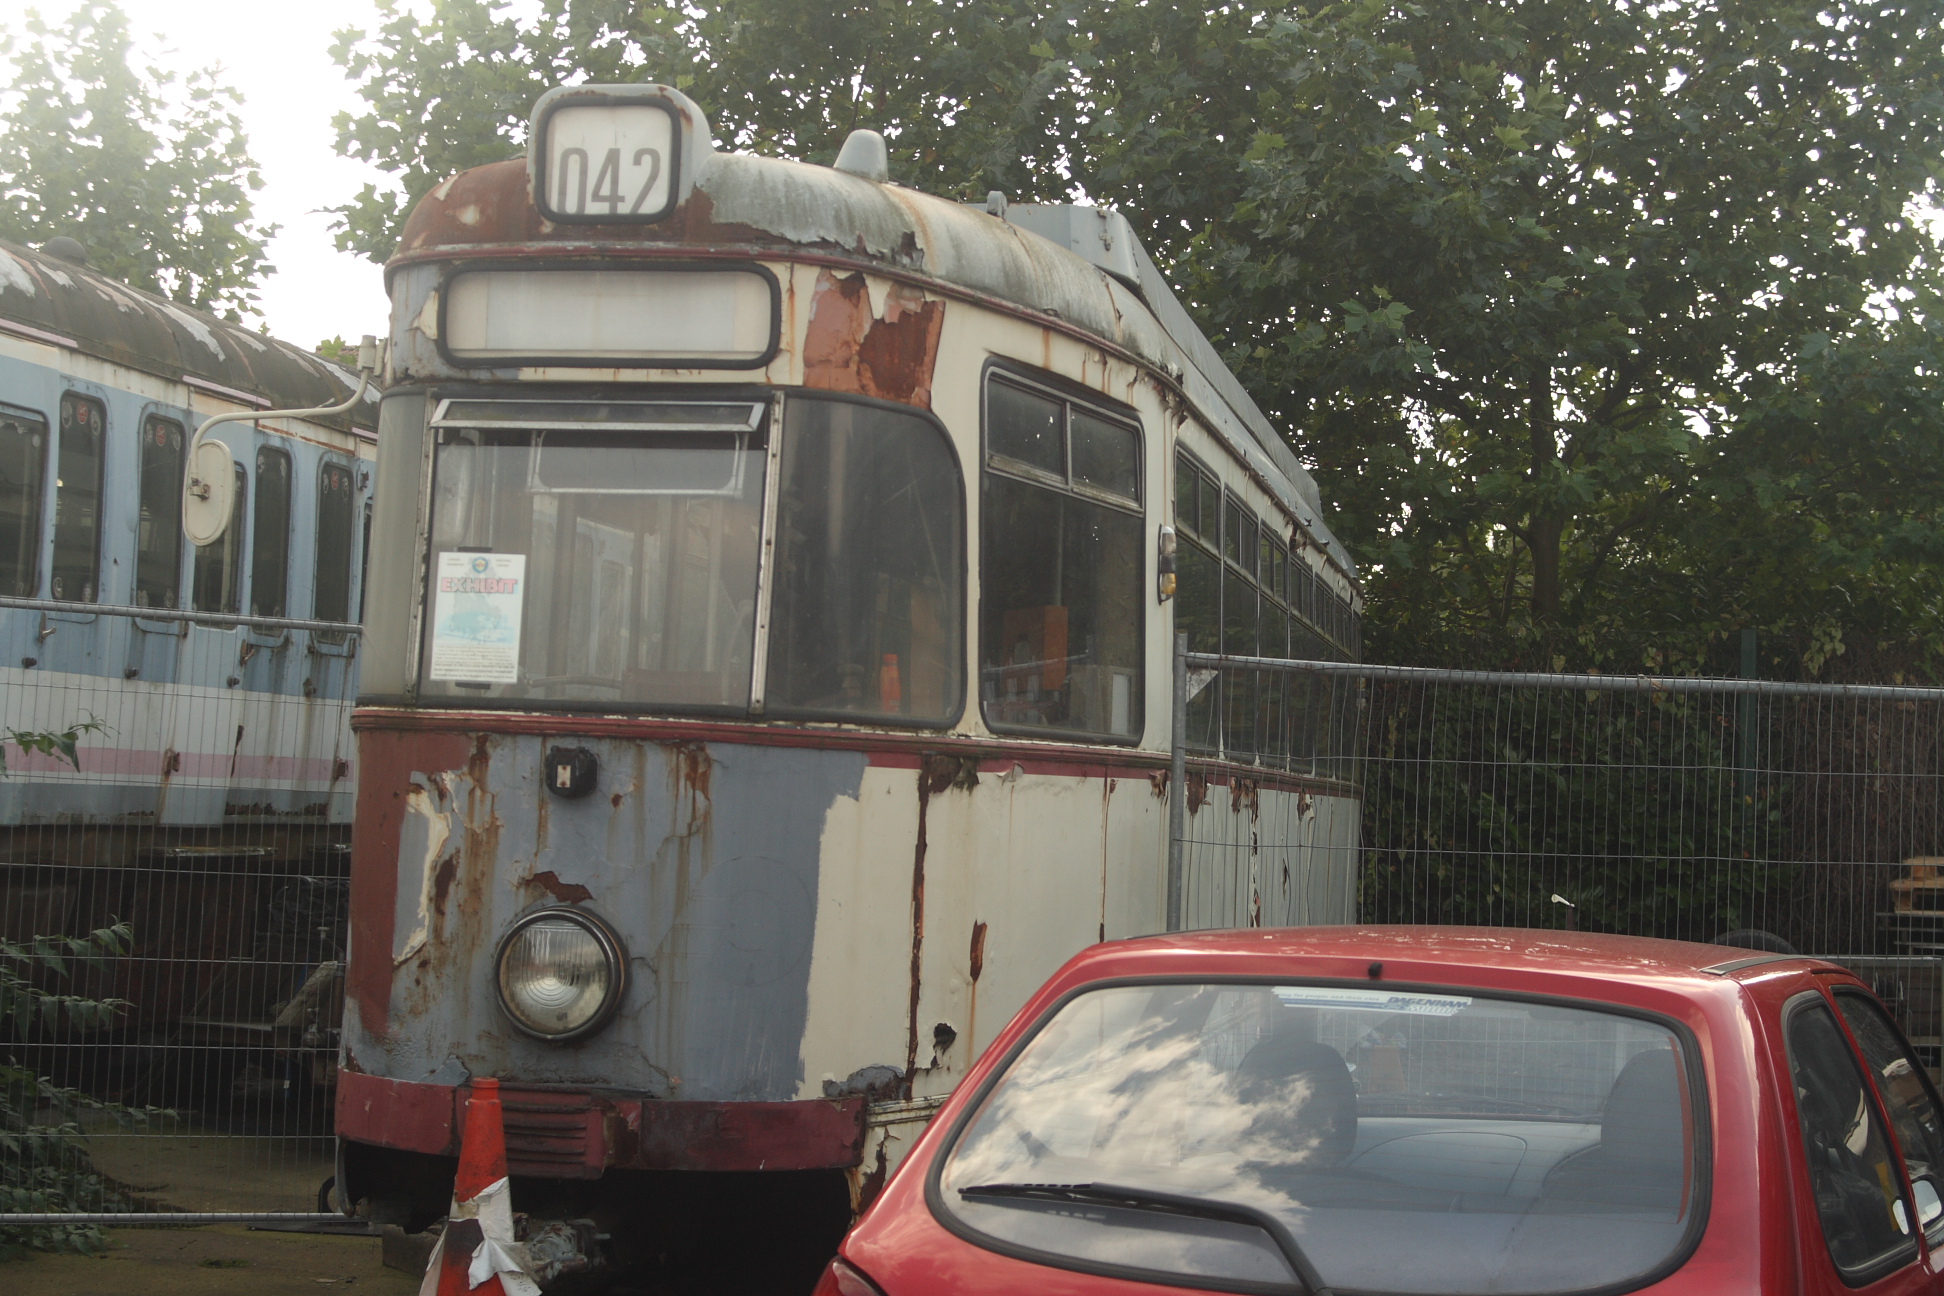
336 514
270 534
77 499
216 579
1061 565
158 536
865 617
23 478
629 533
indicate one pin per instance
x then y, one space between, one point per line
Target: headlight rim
603 934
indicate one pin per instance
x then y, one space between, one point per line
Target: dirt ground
218 1260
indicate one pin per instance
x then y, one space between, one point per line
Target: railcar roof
66 304
1417 953
755 204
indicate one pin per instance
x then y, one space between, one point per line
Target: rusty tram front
766 681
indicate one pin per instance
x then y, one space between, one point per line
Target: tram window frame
461 409
904 680
85 536
28 519
270 535
158 522
227 550
1005 474
337 566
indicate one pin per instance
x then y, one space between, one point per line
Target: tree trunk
1547 524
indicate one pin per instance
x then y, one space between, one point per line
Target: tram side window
336 514
270 534
868 587
23 481
1061 566
216 579
77 498
158 536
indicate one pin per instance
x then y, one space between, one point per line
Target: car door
1863 1212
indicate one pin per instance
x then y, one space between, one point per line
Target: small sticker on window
1360 999
476 617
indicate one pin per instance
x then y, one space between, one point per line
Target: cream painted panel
860 960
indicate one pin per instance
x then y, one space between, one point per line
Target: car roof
1410 948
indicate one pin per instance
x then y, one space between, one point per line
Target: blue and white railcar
215 729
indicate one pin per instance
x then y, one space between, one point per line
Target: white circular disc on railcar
209 494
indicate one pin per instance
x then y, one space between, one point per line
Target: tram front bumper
560 1133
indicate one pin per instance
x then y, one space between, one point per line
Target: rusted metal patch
547 882
847 348
1197 792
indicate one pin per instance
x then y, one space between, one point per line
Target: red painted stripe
147 763
903 750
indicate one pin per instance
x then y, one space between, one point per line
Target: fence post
1177 780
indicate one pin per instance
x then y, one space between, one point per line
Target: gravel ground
217 1259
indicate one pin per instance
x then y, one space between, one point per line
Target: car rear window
1252 1137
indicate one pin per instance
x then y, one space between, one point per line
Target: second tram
766 683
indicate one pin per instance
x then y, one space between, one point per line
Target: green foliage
147 167
47 742
1608 328
338 351
44 1163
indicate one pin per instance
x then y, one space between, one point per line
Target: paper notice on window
476 617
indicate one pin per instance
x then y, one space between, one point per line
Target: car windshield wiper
1148 1199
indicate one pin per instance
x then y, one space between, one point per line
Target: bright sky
277 57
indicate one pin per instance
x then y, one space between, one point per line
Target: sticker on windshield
476 617
1396 1001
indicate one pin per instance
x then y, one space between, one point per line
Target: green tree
1606 326
146 166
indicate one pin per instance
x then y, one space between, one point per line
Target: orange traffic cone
477 1253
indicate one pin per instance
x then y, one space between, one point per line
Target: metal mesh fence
210 813
1681 808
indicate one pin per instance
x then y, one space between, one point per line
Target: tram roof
1082 267
50 300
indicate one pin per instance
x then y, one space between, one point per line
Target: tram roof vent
865 155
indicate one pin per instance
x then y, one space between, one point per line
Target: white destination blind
476 617
609 160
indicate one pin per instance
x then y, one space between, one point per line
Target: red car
1433 1111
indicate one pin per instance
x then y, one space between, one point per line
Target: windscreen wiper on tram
1147 1199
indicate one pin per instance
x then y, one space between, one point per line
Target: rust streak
936 773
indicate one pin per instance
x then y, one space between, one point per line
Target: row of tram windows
258 537
608 552
1243 592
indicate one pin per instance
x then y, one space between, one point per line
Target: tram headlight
561 973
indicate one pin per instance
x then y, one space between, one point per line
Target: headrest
1307 1102
1642 1118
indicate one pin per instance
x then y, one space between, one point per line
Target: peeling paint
851 345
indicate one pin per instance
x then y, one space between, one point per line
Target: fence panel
1681 808
210 811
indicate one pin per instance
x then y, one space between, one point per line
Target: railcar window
1061 571
868 587
158 537
77 498
606 554
216 580
336 514
270 534
23 483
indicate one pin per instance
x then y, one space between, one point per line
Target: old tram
768 665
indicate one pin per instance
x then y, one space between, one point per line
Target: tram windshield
596 552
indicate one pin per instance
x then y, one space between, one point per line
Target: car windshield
1350 1137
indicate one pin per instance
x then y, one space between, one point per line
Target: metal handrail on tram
222 620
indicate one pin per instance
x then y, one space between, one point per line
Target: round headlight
561 973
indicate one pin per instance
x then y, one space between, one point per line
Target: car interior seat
1305 1101
1642 1156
